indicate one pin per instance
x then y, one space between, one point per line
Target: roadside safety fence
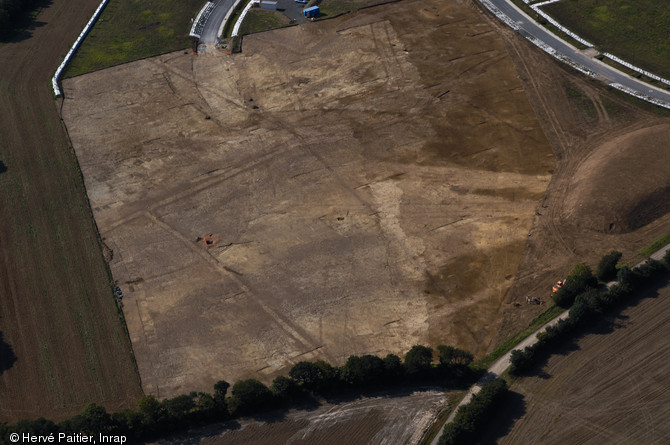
565 59
201 19
68 56
238 23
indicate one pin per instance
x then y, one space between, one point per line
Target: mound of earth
616 189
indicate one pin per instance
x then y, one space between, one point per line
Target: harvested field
612 389
390 418
62 344
372 180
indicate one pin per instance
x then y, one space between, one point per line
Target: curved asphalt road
528 26
210 31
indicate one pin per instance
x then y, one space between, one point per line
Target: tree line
586 301
471 418
305 381
13 13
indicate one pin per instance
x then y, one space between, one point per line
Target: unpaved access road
612 387
505 361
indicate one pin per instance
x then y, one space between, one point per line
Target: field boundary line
75 46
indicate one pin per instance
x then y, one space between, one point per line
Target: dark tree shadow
24 24
600 324
510 409
7 356
3 167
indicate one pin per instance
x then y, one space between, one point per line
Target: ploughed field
351 186
612 389
62 343
392 417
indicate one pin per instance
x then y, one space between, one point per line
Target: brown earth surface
371 180
62 344
392 418
614 388
586 123
606 191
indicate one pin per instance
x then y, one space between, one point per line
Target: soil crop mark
450 223
279 319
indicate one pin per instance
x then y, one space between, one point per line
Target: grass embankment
543 318
655 246
634 30
130 30
258 20
330 8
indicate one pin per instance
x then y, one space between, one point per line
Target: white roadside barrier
201 19
240 19
547 17
579 67
634 68
68 56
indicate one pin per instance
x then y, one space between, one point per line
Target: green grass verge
653 247
546 316
258 20
634 30
583 103
230 24
330 8
130 30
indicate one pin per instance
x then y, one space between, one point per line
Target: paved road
211 29
527 26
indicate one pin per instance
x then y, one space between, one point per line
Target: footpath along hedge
588 303
470 419
306 381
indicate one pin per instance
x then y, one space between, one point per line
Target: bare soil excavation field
368 184
62 345
612 389
610 188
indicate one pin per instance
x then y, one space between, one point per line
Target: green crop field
637 31
330 8
131 30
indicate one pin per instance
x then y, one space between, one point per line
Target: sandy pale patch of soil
371 180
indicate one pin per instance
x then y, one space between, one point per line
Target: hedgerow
153 418
587 305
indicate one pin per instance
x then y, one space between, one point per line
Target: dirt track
372 188
56 308
584 122
612 389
